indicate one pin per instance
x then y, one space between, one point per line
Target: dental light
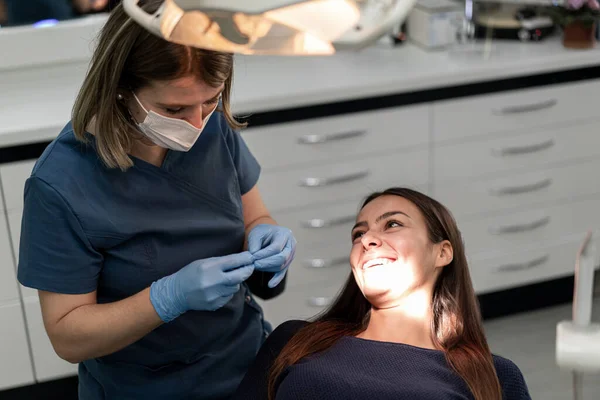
273 27
578 341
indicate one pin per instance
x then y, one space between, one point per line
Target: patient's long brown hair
456 328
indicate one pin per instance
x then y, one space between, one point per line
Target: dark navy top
360 369
86 228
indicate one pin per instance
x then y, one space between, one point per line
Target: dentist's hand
206 285
273 247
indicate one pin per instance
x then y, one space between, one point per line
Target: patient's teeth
377 261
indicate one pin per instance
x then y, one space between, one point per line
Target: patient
405 326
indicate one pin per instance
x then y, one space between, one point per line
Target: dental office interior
489 107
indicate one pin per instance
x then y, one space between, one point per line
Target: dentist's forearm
96 330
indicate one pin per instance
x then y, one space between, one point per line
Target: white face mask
170 133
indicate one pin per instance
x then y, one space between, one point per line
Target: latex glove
273 248
206 284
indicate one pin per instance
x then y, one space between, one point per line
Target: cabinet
46 364
8 284
518 170
517 110
15 363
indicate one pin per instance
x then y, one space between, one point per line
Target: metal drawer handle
526 108
319 301
318 139
532 187
326 263
317 223
525 265
518 150
320 182
521 227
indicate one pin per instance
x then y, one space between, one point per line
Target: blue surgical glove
206 285
273 248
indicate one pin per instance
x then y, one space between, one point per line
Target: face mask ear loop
139 102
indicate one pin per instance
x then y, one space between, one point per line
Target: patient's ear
445 254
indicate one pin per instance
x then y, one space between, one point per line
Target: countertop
42 70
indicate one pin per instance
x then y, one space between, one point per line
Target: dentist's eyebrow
178 105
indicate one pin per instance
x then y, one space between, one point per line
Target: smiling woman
406 324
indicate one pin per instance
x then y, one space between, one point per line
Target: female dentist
143 222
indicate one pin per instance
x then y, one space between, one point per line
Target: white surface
370 130
526 264
13 177
542 185
47 364
559 144
15 363
515 110
8 283
578 348
266 83
283 190
14 223
560 220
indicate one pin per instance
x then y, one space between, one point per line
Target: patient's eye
356 235
393 224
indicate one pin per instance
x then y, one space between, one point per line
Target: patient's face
391 254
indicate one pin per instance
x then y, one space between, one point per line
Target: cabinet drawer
8 280
13 177
300 303
340 137
515 152
15 364
344 181
14 223
514 110
328 263
319 225
519 268
508 232
520 189
47 364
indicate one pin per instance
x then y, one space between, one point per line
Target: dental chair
578 340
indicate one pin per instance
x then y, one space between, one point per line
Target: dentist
144 230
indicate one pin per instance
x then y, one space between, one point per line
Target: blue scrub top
86 227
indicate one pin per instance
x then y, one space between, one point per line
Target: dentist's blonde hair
128 57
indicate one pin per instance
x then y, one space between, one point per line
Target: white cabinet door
8 282
47 364
515 110
344 181
13 177
15 363
337 138
14 223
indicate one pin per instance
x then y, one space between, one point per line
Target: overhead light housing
273 27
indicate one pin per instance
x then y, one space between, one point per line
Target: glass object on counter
468 45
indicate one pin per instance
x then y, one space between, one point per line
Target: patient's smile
377 262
